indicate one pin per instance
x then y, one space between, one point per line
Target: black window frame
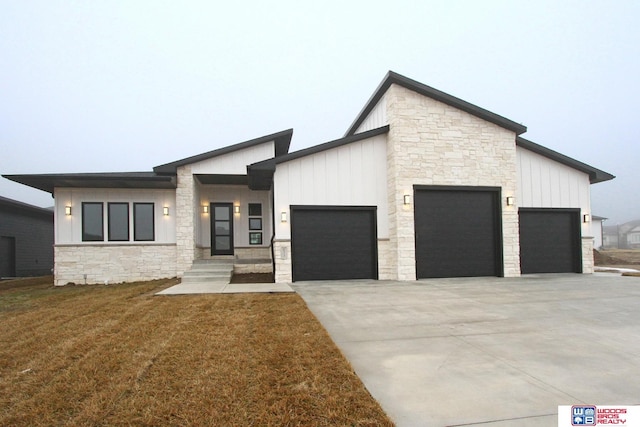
110 222
135 222
255 205
253 228
85 236
257 234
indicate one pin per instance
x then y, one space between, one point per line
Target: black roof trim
14 204
333 144
261 173
47 182
282 141
433 93
595 175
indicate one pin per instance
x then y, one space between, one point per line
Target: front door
221 228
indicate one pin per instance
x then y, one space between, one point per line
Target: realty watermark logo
592 415
584 415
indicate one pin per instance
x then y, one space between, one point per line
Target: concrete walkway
225 288
487 351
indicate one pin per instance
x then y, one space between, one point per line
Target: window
255 223
255 238
92 222
118 222
255 209
143 222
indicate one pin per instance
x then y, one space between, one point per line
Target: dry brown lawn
117 355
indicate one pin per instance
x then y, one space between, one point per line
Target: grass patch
117 355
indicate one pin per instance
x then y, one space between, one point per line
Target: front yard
114 355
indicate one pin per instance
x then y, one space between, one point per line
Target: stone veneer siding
587 255
113 263
431 143
283 273
185 223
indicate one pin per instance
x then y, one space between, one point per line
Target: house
597 231
26 239
422 185
622 236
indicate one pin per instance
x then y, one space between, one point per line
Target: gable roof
395 78
16 205
281 139
595 175
47 182
261 173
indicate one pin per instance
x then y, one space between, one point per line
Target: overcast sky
110 86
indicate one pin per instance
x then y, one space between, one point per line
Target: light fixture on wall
586 218
283 216
236 209
511 200
165 211
67 210
205 209
407 199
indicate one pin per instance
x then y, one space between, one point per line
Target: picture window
118 222
92 222
143 222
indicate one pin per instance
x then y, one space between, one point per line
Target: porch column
185 224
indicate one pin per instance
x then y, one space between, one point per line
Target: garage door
550 241
332 243
458 232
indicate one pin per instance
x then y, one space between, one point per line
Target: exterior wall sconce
165 211
586 218
407 199
205 209
283 216
67 210
511 201
236 209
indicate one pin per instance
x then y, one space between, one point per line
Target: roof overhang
281 140
48 182
14 205
222 179
395 78
595 175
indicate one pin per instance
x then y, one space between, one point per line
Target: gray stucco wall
33 234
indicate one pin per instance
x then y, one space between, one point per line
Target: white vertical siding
68 228
239 196
351 175
235 163
376 118
544 183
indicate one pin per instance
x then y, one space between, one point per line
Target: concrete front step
209 271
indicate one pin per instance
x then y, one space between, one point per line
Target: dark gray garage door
457 232
550 241
332 243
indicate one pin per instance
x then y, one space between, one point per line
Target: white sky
109 86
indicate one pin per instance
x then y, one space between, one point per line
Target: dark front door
333 243
550 241
457 232
221 228
7 256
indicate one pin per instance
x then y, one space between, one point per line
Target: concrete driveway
487 351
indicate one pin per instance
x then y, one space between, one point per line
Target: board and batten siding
376 118
544 183
68 228
235 163
349 175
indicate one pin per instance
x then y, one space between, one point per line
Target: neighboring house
597 231
423 184
622 236
26 239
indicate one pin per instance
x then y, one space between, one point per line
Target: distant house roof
261 173
395 78
282 141
16 205
47 182
595 175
